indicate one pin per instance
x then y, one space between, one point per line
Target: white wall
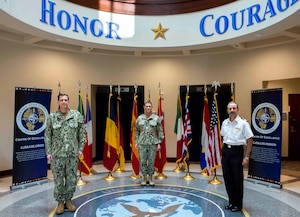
22 65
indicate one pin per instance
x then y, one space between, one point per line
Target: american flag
214 136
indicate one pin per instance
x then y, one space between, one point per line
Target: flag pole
232 91
91 170
59 87
134 176
119 170
178 169
204 171
160 175
188 176
80 181
149 98
215 180
109 176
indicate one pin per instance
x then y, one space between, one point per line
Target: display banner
265 159
32 107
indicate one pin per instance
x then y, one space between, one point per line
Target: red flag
161 155
134 152
120 134
178 129
110 156
215 136
87 157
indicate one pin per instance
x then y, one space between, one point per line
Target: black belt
233 146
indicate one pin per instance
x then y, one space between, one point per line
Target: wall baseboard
6 173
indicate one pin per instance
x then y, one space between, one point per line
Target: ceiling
287 31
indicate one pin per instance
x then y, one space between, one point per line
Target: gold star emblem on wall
159 31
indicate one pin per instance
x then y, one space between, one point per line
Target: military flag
110 156
134 152
161 155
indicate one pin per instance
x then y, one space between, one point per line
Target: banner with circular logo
32 107
265 159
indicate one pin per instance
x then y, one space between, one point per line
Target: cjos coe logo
265 118
31 118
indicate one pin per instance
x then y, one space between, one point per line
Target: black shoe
229 206
235 209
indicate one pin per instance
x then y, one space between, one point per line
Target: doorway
196 103
294 126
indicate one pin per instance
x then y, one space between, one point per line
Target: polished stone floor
173 196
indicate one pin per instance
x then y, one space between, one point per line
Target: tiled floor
259 200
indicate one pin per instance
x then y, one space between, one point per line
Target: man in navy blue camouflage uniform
65 136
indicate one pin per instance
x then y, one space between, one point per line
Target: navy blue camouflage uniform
64 139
